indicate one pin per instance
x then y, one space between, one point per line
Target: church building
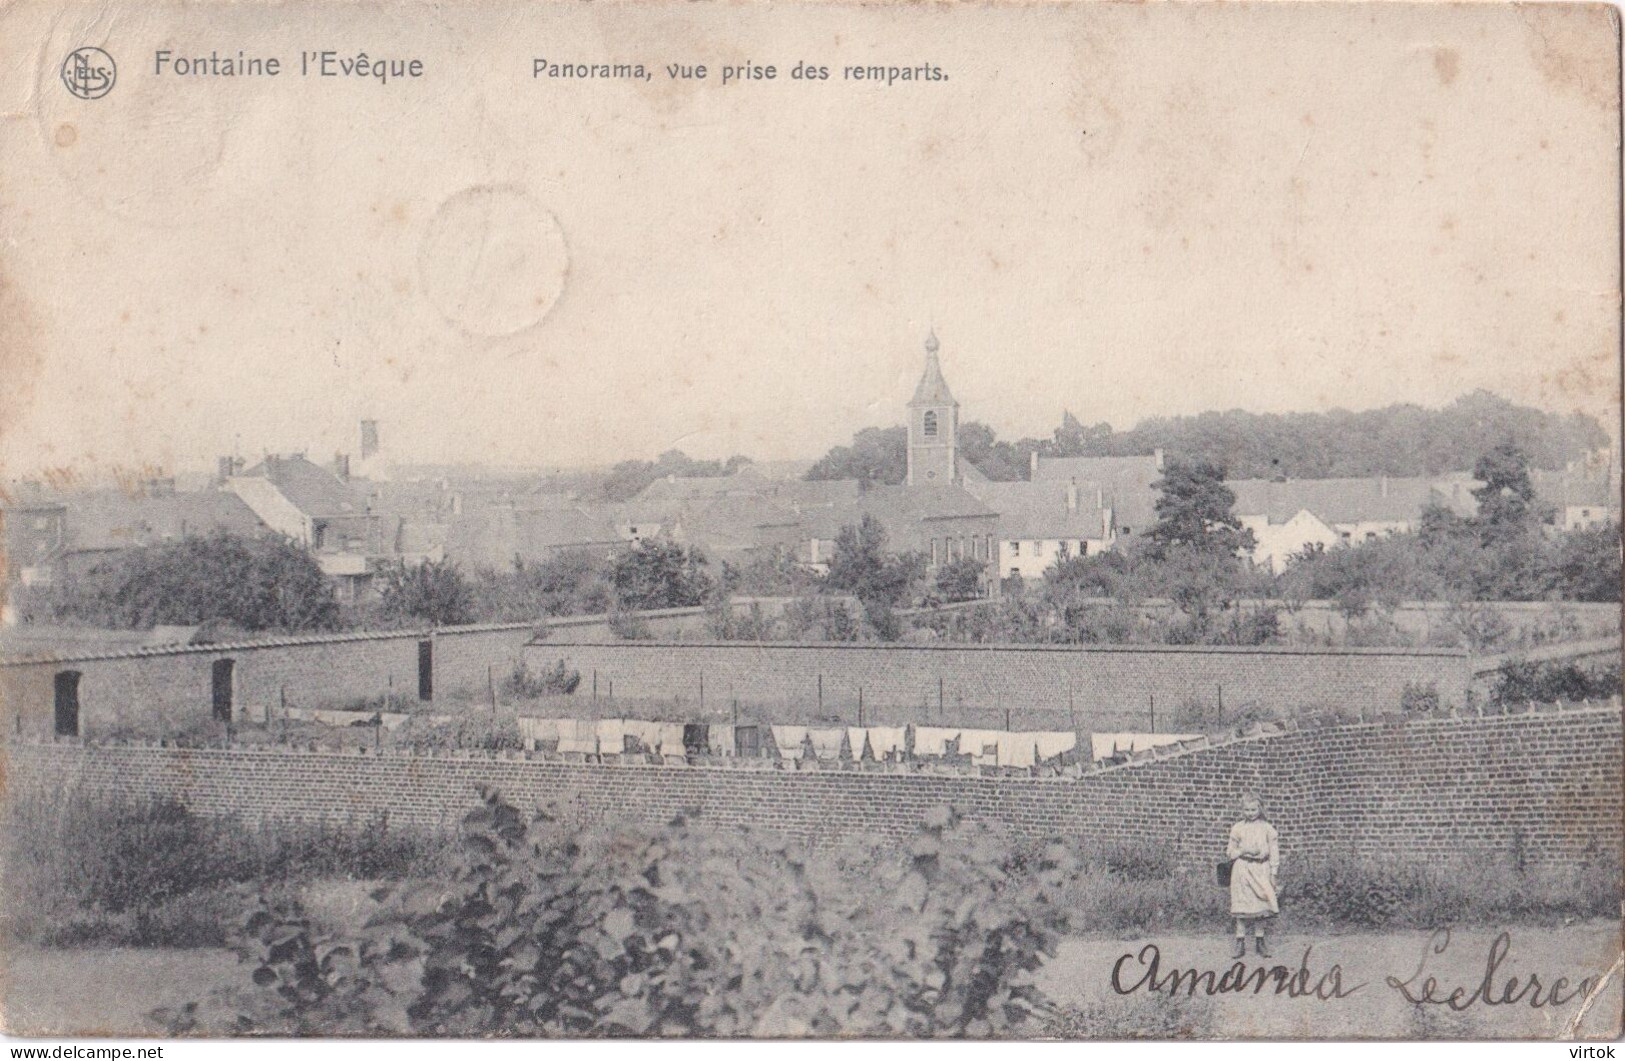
933 426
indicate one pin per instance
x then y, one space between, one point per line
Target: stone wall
1546 785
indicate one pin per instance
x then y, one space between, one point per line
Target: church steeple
933 426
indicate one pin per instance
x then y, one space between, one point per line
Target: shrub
478 731
1419 698
151 873
1546 682
676 931
558 680
629 626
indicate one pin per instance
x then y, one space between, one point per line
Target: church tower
933 426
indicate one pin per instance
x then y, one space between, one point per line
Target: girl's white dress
1256 857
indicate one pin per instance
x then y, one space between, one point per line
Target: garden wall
161 691
1544 785
1096 687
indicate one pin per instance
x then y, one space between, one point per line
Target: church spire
933 389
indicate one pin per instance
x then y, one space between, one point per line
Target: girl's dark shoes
1241 947
1258 946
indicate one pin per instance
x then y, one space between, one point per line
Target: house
32 535
1127 485
1286 515
1046 522
49 536
942 523
495 535
317 508
1275 543
1579 497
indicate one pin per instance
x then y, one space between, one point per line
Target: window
934 554
1083 548
928 424
1015 572
1015 548
1064 550
1127 531
1038 548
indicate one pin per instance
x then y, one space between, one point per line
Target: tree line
1398 440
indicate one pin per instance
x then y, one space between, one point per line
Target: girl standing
1255 857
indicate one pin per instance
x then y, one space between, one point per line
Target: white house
1043 523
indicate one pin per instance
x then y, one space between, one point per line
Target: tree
1506 500
862 566
629 478
659 573
567 582
433 592
1586 564
770 573
876 455
250 582
1195 509
961 579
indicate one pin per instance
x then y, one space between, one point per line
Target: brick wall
1104 688
167 690
1548 783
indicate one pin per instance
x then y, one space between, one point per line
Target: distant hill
1395 440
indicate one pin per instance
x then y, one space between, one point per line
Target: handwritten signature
1510 993
1420 988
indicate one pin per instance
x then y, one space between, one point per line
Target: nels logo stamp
89 73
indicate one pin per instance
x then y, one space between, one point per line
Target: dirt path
1080 977
107 991
112 991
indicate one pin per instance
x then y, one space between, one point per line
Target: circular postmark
89 72
493 261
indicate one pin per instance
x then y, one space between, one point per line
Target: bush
476 731
676 931
1420 698
1546 682
151 873
629 626
558 680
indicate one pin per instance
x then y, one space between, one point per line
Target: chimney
225 468
341 466
369 438
1032 466
1072 496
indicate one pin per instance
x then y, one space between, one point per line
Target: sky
1118 210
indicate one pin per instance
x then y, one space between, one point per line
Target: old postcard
810 520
